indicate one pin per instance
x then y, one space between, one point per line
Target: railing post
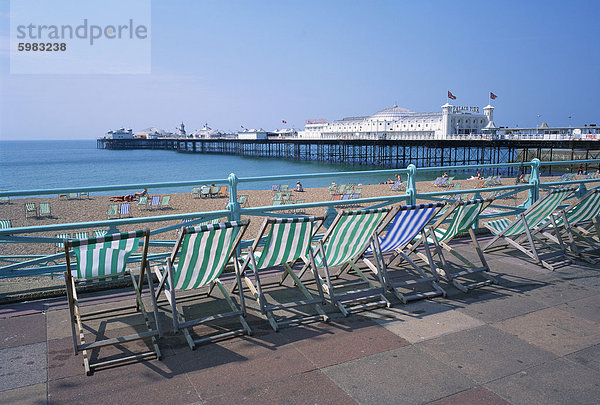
411 188
233 206
534 181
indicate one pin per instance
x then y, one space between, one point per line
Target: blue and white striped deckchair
124 210
155 201
580 222
464 215
342 246
288 241
103 259
197 260
408 222
521 231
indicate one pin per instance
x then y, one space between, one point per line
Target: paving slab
137 383
473 396
423 320
402 376
501 308
342 340
307 388
561 381
22 330
29 395
587 308
589 357
485 353
552 329
22 365
559 293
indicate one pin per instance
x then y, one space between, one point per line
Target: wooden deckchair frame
257 288
364 296
399 256
576 232
179 323
77 317
530 237
449 275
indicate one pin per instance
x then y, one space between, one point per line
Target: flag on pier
493 96
451 96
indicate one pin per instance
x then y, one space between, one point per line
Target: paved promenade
532 339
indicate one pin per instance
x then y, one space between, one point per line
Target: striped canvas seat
464 217
45 209
105 255
197 260
204 253
60 245
351 236
288 240
535 215
521 232
100 259
5 223
583 211
30 209
155 201
408 222
124 209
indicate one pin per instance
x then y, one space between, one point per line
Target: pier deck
532 339
382 153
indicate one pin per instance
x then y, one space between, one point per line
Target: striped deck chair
45 209
407 222
437 181
30 210
344 243
113 210
164 202
203 253
124 210
464 215
143 202
99 232
223 191
519 233
214 191
155 201
104 259
275 187
5 223
580 225
60 246
243 200
80 235
288 241
205 191
195 192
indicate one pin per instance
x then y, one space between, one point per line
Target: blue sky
232 63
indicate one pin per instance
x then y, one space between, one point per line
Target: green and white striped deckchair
5 223
164 202
30 210
198 259
101 259
343 244
143 202
464 215
520 232
61 245
580 223
113 210
288 241
99 232
45 209
80 235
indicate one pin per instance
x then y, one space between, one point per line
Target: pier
377 152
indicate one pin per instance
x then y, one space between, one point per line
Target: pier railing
21 265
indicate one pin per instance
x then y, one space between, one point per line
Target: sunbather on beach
129 197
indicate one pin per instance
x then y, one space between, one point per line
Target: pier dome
391 114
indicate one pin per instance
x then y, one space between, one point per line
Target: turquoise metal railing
49 264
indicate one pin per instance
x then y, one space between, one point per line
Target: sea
47 164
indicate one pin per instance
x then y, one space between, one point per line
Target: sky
256 63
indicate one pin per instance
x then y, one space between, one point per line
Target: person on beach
299 187
580 170
445 175
128 197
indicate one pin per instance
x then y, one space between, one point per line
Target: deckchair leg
70 284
